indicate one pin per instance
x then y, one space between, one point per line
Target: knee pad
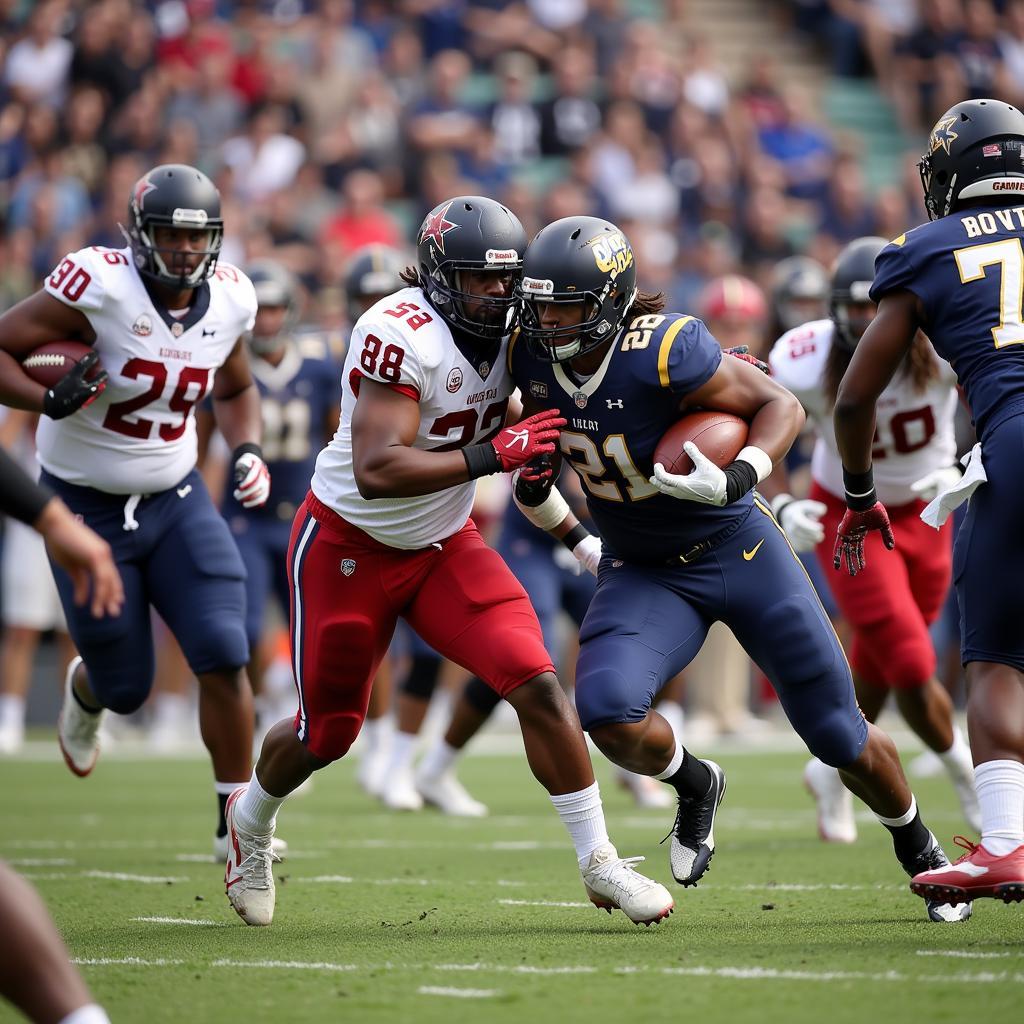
422 678
837 739
123 695
227 648
480 696
908 662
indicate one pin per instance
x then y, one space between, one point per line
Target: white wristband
549 513
759 459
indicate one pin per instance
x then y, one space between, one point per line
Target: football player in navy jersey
681 551
960 279
300 390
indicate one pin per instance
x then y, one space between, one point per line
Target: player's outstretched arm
876 358
37 320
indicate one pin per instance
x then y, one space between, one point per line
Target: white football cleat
613 883
449 795
399 793
372 771
78 731
12 738
278 847
646 792
836 823
249 873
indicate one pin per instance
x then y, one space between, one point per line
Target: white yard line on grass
198 922
541 903
737 973
120 876
968 954
458 993
39 862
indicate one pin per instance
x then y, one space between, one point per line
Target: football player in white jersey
892 602
385 532
166 323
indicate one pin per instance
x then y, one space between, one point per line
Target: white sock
957 760
674 764
673 713
903 819
12 710
583 815
1000 786
438 759
256 810
403 749
91 1014
376 733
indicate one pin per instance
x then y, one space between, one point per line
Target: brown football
47 364
719 435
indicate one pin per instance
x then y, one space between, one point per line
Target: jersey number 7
1008 255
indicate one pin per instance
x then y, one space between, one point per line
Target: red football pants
891 602
347 591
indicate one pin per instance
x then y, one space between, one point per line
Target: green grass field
382 917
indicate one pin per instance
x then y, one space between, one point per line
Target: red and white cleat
613 883
975 875
249 874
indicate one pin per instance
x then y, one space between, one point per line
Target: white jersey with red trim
914 429
404 343
139 436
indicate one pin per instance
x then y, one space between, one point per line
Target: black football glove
73 391
534 481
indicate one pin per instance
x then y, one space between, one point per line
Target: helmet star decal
142 188
943 135
435 226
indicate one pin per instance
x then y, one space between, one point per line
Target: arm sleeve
23 498
77 280
687 354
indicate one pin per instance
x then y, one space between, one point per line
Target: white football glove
799 517
705 483
252 481
934 483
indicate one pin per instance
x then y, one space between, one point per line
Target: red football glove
743 352
525 440
852 531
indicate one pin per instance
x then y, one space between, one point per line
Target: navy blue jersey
616 418
968 271
296 398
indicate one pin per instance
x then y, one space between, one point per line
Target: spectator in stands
513 117
572 117
39 63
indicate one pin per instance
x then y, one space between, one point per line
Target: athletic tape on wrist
549 513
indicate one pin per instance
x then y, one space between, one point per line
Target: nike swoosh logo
748 555
184 492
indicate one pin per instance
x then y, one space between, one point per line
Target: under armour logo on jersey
348 566
614 403
517 436
208 332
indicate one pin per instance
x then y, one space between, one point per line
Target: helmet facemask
487 317
159 263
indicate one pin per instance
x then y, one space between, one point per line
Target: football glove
800 518
743 352
516 445
252 479
932 484
73 392
854 527
705 483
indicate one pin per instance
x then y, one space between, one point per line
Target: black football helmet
275 288
580 260
975 149
852 275
470 233
800 291
373 272
176 196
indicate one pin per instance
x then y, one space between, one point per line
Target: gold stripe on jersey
508 352
666 348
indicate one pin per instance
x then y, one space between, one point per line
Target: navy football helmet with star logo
470 233
181 197
974 150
